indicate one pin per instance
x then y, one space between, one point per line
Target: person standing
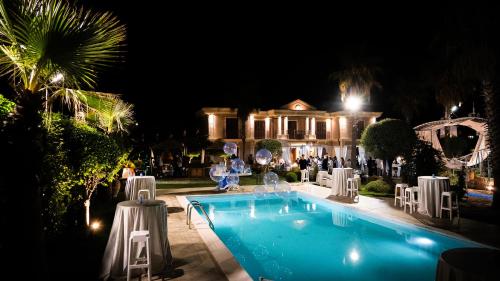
303 168
324 163
250 159
342 162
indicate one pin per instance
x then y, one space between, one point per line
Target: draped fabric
136 183
338 181
429 196
285 154
131 216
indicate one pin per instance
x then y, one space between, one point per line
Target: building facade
299 126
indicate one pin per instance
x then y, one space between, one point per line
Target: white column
211 126
328 128
307 126
266 125
251 127
279 125
285 125
313 126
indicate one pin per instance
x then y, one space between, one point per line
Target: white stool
144 191
353 186
410 199
304 175
400 189
136 237
451 204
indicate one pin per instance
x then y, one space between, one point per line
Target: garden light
96 225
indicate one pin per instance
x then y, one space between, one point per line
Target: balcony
296 134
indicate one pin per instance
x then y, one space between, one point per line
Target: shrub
379 186
6 106
273 146
291 177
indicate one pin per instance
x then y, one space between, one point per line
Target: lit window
298 107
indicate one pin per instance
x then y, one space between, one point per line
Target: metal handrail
191 206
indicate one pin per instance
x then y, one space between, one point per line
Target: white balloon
283 188
238 165
233 179
271 179
263 156
217 172
230 148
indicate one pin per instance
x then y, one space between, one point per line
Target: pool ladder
192 205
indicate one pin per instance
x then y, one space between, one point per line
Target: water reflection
340 219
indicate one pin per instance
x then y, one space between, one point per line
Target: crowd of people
372 167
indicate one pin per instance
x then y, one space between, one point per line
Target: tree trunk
492 102
353 144
87 211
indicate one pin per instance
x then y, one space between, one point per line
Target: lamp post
353 104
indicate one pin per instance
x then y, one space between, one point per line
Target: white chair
410 199
146 191
137 237
399 189
353 186
451 204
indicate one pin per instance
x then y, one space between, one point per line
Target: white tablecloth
429 196
338 181
136 183
131 216
321 176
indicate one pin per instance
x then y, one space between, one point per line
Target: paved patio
194 262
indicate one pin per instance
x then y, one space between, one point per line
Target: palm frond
51 36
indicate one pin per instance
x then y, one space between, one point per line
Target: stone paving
194 262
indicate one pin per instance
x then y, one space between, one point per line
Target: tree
357 79
273 146
94 158
45 46
6 107
388 139
421 160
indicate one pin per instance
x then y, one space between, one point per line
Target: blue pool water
300 237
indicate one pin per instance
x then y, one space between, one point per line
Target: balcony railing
296 134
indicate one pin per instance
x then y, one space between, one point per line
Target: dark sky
181 57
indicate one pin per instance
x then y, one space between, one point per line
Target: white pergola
428 132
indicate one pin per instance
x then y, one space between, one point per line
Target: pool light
354 255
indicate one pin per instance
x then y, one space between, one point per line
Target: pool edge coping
222 256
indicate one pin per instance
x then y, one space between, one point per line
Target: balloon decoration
283 188
271 179
263 156
260 190
233 179
238 165
230 148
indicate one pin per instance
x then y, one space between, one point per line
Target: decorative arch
428 132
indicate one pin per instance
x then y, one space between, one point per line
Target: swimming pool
296 236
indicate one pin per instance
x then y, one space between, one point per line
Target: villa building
299 126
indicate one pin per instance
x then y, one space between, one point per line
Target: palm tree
470 62
45 46
357 79
109 112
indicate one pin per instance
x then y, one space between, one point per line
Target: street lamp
353 104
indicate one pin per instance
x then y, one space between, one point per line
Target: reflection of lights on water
299 221
354 255
252 210
423 241
286 209
308 207
314 206
211 212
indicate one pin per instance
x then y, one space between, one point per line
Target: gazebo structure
429 132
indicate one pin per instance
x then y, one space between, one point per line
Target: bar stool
144 191
136 237
451 204
353 186
304 175
410 199
400 187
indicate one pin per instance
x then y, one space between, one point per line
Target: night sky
181 57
